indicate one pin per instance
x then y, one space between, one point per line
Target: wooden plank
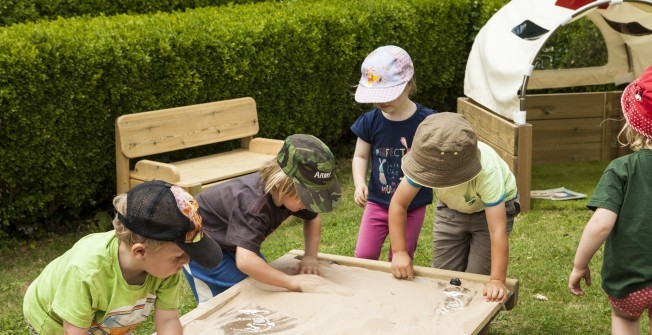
564 106
226 165
121 165
151 170
566 153
524 168
512 142
512 161
566 131
266 146
172 129
494 129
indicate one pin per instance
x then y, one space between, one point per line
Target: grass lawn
542 247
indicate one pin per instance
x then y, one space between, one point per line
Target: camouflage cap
311 165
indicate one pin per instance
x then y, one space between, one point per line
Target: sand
353 300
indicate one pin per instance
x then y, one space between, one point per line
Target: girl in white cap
384 136
621 202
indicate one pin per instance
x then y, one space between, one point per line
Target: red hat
636 102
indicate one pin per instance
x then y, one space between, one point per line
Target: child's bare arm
167 322
359 166
255 267
495 290
595 233
70 329
401 261
312 237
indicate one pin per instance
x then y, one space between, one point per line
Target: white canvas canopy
500 66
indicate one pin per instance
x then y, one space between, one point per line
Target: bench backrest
166 130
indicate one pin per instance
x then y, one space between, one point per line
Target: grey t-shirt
236 213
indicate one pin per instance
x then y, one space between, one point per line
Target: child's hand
575 278
360 195
308 265
402 265
308 283
495 290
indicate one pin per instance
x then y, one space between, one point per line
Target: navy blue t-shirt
390 141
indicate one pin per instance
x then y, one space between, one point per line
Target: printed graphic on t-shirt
389 166
124 320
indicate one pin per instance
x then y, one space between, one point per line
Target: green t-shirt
625 188
494 185
85 287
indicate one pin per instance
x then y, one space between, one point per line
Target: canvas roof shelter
556 127
500 65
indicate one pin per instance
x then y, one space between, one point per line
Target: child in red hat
622 218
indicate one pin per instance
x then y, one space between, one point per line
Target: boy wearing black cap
108 283
242 212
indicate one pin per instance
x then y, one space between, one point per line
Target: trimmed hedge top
64 82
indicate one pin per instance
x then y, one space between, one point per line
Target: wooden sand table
361 298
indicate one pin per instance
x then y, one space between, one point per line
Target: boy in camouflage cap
242 212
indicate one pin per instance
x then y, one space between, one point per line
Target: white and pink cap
637 103
385 73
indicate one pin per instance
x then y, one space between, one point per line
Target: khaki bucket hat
444 152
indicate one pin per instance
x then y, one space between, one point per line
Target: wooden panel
512 142
184 127
511 160
561 132
226 165
489 126
266 146
614 121
564 106
151 170
524 168
566 153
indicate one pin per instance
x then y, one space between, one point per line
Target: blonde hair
124 234
275 181
634 139
411 87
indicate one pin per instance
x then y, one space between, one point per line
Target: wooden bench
166 130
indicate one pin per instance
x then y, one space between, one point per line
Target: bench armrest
151 170
266 146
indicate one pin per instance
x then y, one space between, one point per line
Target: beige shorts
461 241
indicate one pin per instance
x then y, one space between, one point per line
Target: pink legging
374 228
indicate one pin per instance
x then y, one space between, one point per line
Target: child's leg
413 226
207 283
626 312
373 231
623 323
450 239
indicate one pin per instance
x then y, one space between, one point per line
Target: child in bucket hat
242 212
621 218
476 206
110 282
384 136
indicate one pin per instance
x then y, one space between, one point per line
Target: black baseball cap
161 211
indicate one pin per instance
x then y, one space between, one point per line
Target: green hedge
17 11
64 82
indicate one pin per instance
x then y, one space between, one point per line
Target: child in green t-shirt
621 202
108 283
477 201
